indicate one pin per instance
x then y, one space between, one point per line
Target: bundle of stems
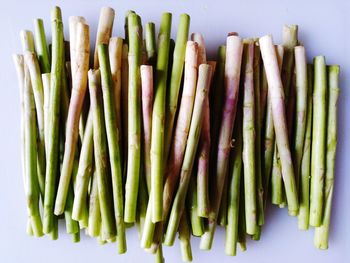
169 141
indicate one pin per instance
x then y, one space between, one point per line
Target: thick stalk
79 85
113 139
158 119
322 232
27 41
41 48
234 50
304 182
319 142
279 118
134 119
190 153
175 80
104 30
101 155
249 155
54 118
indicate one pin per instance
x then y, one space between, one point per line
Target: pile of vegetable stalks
146 131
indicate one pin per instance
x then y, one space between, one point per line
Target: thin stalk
84 173
54 118
94 225
32 185
234 50
304 183
158 118
190 153
322 232
41 48
147 105
79 85
234 192
279 118
175 80
32 64
101 155
319 142
124 103
197 225
134 119
185 239
113 139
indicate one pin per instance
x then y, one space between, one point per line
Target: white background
324 29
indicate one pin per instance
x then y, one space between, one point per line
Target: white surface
324 28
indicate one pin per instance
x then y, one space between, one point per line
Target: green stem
134 119
54 117
151 46
185 239
41 46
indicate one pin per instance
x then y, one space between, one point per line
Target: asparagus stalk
32 185
79 84
301 108
54 114
27 41
147 101
134 119
279 118
151 47
84 172
234 191
32 64
270 161
41 46
322 232
319 142
175 80
158 119
234 50
185 239
100 153
104 30
304 182
190 153
113 137
249 155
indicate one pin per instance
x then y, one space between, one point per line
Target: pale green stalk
304 183
151 44
27 41
185 239
319 142
94 225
